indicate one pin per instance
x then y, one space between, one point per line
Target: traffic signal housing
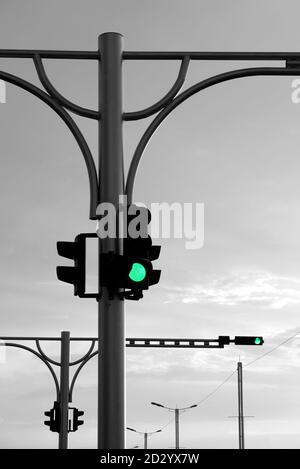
75 275
133 270
248 340
54 418
140 252
77 422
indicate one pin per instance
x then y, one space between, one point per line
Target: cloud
257 288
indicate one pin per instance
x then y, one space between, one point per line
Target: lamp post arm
77 373
24 347
84 357
75 362
42 353
90 164
202 85
149 111
80 111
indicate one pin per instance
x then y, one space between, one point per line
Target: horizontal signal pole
158 341
174 343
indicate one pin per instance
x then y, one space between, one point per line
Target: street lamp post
64 389
176 411
145 435
177 428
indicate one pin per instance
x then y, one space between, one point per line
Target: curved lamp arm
37 343
77 373
24 347
149 111
245 72
90 164
88 353
80 111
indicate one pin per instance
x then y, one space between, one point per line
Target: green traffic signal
137 273
248 340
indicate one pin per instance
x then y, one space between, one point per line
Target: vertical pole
111 373
64 390
177 428
145 440
241 406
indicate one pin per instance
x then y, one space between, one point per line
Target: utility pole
64 390
241 417
111 374
145 440
240 406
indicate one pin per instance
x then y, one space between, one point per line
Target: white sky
234 147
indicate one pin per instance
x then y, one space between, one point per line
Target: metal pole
64 390
241 406
111 391
145 440
177 428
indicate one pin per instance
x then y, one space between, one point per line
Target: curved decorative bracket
149 111
80 111
88 353
90 164
246 72
41 357
48 359
77 373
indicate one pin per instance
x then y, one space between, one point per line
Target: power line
272 350
216 389
170 421
248 364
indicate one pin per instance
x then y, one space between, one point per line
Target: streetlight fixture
177 411
146 434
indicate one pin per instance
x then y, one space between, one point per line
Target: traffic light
73 274
248 340
75 422
54 421
140 253
75 250
133 271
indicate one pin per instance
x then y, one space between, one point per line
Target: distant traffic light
133 270
75 250
248 340
76 422
54 420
